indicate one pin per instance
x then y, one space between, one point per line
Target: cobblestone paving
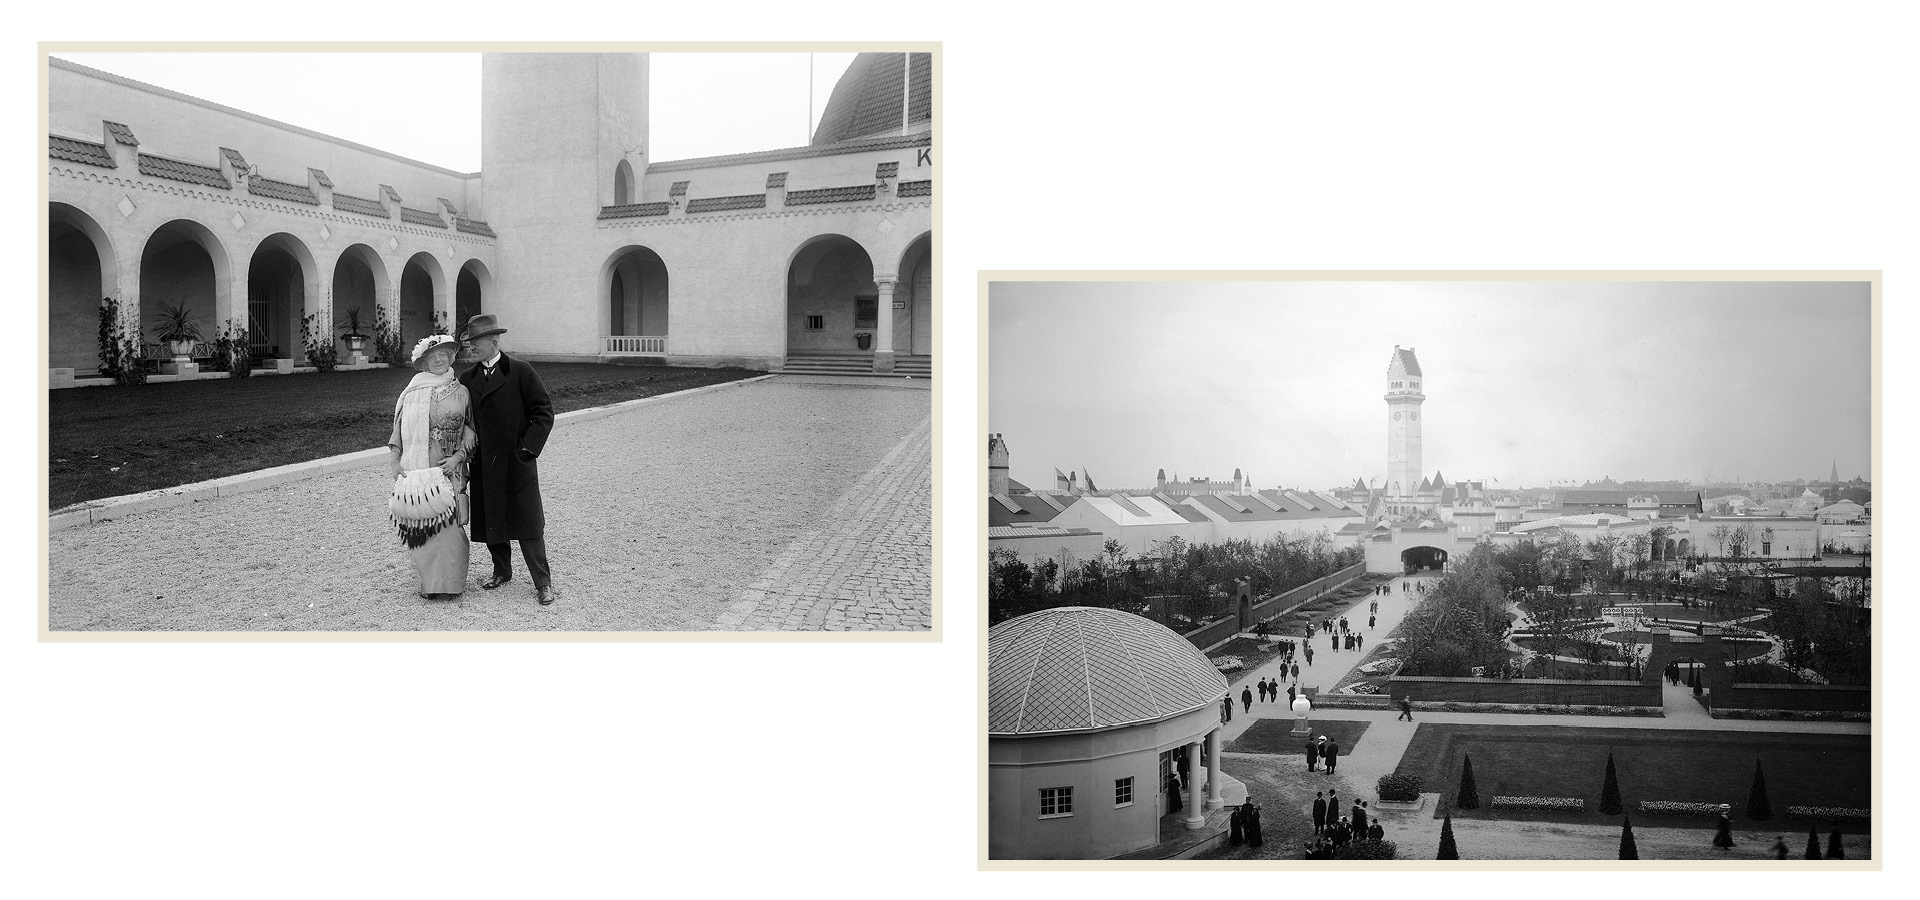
870 567
658 519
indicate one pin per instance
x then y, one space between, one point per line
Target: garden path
1677 703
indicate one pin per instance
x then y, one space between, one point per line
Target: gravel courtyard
658 519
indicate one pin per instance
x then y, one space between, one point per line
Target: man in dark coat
1331 755
513 417
1319 812
1294 670
1360 815
1313 754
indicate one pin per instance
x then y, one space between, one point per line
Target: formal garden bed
106 442
1275 736
1681 772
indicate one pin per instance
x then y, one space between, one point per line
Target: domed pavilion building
1088 712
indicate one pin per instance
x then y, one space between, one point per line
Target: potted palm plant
178 327
354 338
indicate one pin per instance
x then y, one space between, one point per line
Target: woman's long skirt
441 562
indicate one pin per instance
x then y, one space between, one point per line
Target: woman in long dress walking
431 441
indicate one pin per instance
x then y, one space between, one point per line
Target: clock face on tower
1414 416
1396 417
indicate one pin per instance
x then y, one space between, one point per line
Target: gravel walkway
659 518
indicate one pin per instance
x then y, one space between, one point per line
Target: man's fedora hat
480 326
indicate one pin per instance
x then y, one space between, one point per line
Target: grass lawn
1652 764
1275 736
109 441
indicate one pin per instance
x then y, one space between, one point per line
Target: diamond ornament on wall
449 251
392 244
125 206
326 234
238 221
885 225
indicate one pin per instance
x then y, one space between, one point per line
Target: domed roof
1077 668
866 99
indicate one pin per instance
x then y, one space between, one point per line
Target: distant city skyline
1528 384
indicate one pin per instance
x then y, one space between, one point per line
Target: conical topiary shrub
1610 791
1628 850
1834 850
1447 849
1469 795
1758 806
1813 843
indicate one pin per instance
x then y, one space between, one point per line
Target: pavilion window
1123 792
816 323
1056 801
866 311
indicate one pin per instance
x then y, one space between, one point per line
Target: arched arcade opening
470 287
1416 560
831 298
637 290
421 282
183 265
913 325
82 269
359 281
280 280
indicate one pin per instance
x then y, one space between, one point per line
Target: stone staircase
854 364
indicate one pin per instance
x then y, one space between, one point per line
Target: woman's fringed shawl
423 500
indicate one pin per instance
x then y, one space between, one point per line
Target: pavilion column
1195 819
883 330
1213 769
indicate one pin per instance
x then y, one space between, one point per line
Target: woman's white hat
430 342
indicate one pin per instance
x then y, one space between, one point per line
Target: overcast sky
426 106
1527 383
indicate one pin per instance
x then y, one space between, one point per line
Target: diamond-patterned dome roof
1077 668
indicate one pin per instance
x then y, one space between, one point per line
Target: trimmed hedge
1398 788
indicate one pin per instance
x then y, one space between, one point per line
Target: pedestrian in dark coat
1313 755
1173 793
1370 620
1309 653
1251 812
1246 696
1226 708
1375 832
512 417
1723 833
1333 641
1291 693
1235 830
1360 816
1359 641
1319 812
1406 708
1294 670
1331 755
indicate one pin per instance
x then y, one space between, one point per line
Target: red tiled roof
448 206
832 195
867 98
634 210
421 217
387 191
122 133
87 152
1407 361
722 204
321 178
473 226
175 170
1032 509
679 189
889 169
916 188
281 190
233 156
360 205
777 179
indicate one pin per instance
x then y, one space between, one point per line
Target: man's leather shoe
547 594
496 581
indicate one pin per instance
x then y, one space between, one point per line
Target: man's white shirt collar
492 362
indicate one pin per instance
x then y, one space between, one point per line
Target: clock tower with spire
1403 423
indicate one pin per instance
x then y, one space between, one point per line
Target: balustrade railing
635 343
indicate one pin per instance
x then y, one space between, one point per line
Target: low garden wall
1524 691
1279 604
1808 697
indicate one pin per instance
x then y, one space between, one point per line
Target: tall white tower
1403 423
